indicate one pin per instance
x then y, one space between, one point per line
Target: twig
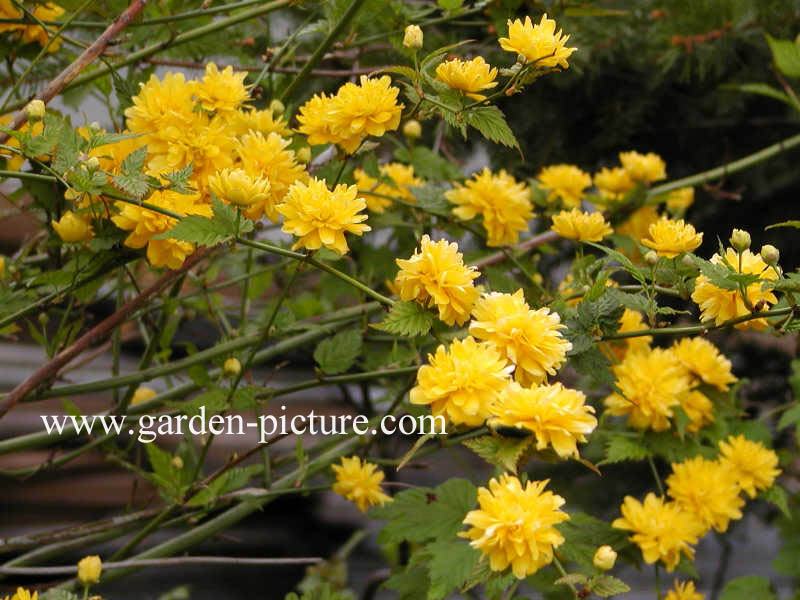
534 242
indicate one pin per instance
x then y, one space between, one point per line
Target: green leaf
105 139
593 364
623 260
205 231
795 224
450 564
337 354
621 449
213 401
503 452
777 496
606 585
489 120
179 180
56 594
749 587
790 417
572 579
500 281
229 481
410 584
786 54
430 198
762 89
583 534
408 319
428 164
450 5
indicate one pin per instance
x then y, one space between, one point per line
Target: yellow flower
566 182
314 119
89 570
706 489
699 409
73 228
435 275
604 558
267 156
375 191
144 224
538 43
232 367
15 161
613 184
9 11
235 186
679 200
631 320
683 591
557 416
412 37
652 383
531 339
637 227
644 168
321 217
662 530
222 91
721 305
753 465
162 109
504 204
259 121
143 394
704 360
582 226
359 482
670 238
37 33
462 382
469 76
23 594
516 526
35 110
412 129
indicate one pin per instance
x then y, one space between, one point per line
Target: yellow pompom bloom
235 186
581 226
504 204
612 184
143 394
681 199
314 119
662 530
89 570
566 182
700 410
162 109
558 417
705 361
267 156
258 121
435 275
23 594
222 91
73 228
653 382
469 76
462 382
9 11
644 168
37 33
375 192
670 238
539 44
359 482
144 224
631 320
531 339
684 591
320 217
637 227
515 526
707 489
753 465
720 305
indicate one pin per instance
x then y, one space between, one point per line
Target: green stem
656 476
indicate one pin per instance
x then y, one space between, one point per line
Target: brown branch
187 64
534 242
84 60
50 370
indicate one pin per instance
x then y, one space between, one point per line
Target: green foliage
786 54
749 587
621 449
506 453
584 534
339 353
407 319
226 223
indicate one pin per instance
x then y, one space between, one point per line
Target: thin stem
656 476
560 568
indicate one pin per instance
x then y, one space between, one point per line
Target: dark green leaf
407 318
337 354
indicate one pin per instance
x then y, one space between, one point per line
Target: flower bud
412 129
740 240
304 154
235 186
43 319
143 394
177 462
35 110
72 228
2 266
412 38
89 569
277 107
770 254
651 258
232 367
688 261
93 163
604 558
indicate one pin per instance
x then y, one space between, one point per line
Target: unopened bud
177 462
232 367
740 240
143 394
277 107
304 154
43 319
688 261
412 38
412 129
93 163
521 59
604 558
35 110
89 570
651 258
770 254
95 126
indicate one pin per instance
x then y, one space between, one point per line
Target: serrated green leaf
620 449
491 122
213 401
504 452
583 534
749 587
229 481
430 198
623 260
179 180
450 564
410 584
205 231
572 579
407 318
777 496
786 54
594 364
104 139
606 585
339 353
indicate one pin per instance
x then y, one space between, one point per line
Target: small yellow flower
232 367
23 594
515 526
73 228
679 200
412 37
412 129
320 217
644 168
662 530
264 121
89 569
753 465
35 110
235 186
469 76
704 361
708 490
684 591
376 192
720 304
539 44
670 238
143 394
530 339
612 184
436 276
462 382
581 226
222 91
558 417
359 482
700 410
604 558
566 182
504 204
